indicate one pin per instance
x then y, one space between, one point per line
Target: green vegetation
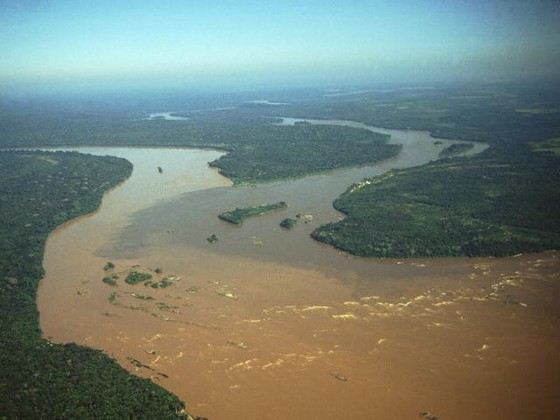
288 223
483 112
135 277
162 306
212 238
548 146
141 297
238 215
257 149
109 266
515 119
161 284
110 280
304 149
455 150
113 298
502 202
494 204
39 379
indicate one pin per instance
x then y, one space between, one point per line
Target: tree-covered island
237 216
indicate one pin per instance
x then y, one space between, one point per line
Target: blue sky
213 42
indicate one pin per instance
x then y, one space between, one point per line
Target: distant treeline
520 121
258 149
500 203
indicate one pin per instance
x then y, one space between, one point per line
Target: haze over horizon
226 44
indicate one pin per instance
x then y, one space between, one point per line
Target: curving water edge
269 324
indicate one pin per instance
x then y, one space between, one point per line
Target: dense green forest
456 149
500 203
258 149
300 150
237 216
39 379
520 121
498 113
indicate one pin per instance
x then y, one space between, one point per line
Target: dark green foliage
110 280
135 277
550 146
238 215
499 114
295 151
455 149
38 192
162 284
258 149
212 238
141 297
162 306
288 223
495 204
507 116
109 266
498 204
113 297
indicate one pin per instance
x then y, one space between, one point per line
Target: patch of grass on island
455 150
238 215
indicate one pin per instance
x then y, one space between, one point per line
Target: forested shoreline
520 122
502 202
443 209
39 191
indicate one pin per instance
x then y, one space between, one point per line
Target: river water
269 324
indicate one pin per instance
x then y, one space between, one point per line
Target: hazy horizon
62 45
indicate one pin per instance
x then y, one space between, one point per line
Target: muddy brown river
269 324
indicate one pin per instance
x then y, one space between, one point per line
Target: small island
110 280
238 215
135 277
288 223
455 149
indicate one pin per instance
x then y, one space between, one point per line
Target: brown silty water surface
268 324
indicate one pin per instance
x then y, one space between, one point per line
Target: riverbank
265 306
40 378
